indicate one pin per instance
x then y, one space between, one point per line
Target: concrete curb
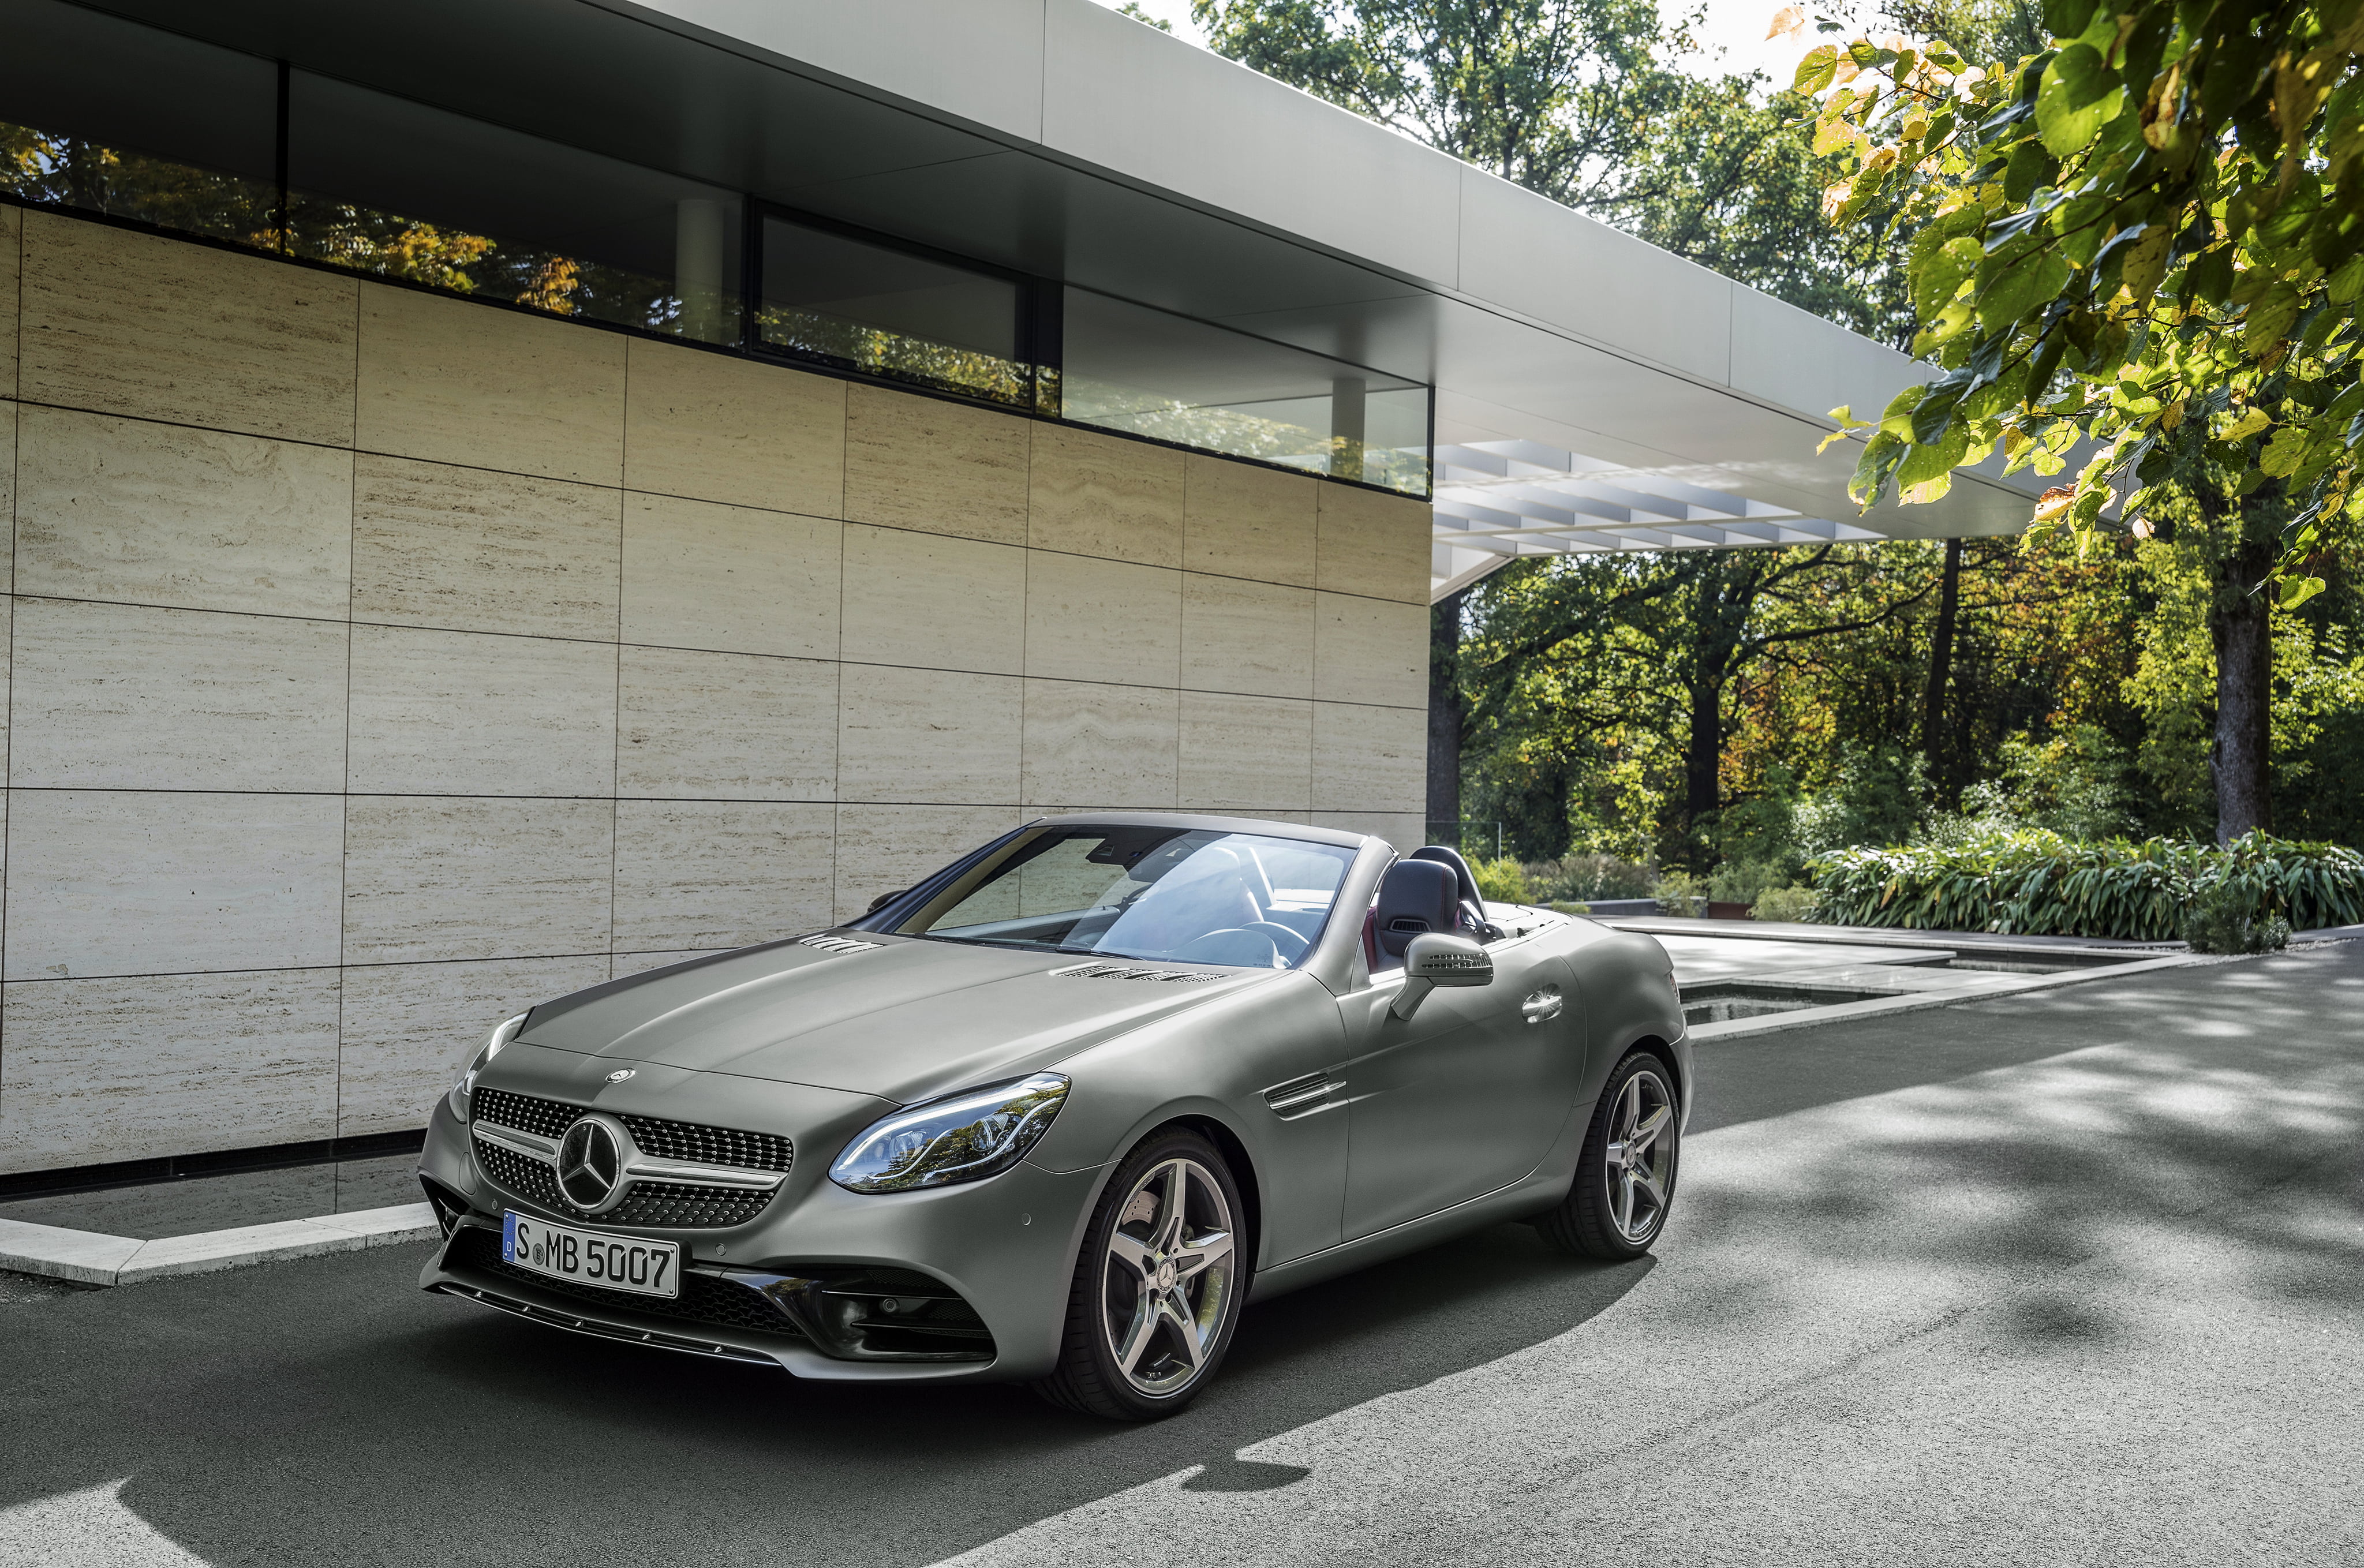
1887 1007
88 1257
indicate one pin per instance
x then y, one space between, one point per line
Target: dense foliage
2034 882
2148 235
2080 698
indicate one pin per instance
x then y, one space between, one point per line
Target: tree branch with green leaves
2145 242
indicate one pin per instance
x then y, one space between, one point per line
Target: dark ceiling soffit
653 90
613 77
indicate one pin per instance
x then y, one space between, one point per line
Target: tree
1582 101
2147 237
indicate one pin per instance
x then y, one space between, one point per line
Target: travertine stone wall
379 663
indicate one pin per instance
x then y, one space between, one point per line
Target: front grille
543 1118
522 1174
669 1205
686 1206
703 1300
710 1145
665 1139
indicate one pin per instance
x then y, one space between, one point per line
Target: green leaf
2297 591
2067 18
2209 277
2283 452
1941 273
2029 170
1924 464
2019 289
2269 319
1816 71
2080 95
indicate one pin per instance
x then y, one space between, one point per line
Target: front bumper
960 1283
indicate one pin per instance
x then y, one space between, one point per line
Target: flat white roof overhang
1592 391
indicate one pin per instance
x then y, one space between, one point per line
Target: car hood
900 1018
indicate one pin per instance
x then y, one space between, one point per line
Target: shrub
2224 918
1502 881
1680 893
1784 903
2036 883
1743 882
1578 879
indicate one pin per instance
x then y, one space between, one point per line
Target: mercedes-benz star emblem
620 1073
590 1164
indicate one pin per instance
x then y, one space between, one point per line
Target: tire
1617 1203
1159 1282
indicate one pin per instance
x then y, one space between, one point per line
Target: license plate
613 1263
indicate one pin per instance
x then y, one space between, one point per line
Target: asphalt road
2073 1278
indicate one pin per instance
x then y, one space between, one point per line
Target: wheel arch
1235 1150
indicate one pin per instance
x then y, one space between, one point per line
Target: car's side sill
1530 1195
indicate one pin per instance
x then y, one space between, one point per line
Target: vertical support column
1347 394
701 234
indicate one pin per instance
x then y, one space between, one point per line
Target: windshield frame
942 894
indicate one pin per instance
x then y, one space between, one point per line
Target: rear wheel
1625 1178
1158 1286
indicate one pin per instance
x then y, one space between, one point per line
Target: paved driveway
2075 1277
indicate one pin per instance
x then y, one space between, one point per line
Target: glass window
396 188
866 307
1188 895
1127 367
110 118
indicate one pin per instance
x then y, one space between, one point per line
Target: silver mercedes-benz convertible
1059 1112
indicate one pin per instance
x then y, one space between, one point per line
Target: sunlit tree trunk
1941 665
2240 625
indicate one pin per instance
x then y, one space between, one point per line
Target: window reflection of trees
70 171
855 347
67 171
54 170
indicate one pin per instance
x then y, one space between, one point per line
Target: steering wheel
1247 947
1292 944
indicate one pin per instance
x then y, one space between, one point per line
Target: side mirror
884 899
1434 959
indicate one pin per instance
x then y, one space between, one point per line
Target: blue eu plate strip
509 1237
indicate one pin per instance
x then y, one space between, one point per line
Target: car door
1465 1096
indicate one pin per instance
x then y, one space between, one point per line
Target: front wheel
1158 1286
1625 1177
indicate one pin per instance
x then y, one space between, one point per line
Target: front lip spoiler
592 1325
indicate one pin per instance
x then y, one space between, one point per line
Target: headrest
1461 870
1416 896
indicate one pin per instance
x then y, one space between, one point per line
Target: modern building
514 492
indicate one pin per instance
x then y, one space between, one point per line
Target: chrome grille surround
516 1141
666 1139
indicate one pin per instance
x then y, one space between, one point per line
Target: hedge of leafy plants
2030 881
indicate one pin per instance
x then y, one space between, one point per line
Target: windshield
1188 895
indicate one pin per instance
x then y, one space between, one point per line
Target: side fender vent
837 944
1131 971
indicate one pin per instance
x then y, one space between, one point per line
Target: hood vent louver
1134 971
837 944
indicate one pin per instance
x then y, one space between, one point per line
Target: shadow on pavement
392 1419
327 1412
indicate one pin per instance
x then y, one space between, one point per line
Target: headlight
473 1063
963 1138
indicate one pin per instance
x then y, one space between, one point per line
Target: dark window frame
1034 295
1038 333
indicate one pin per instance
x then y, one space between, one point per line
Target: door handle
1542 1006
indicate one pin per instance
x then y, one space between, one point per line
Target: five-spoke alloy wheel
1625 1177
1158 1288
